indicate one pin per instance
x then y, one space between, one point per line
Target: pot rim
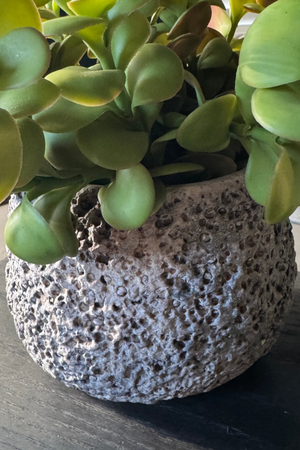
238 174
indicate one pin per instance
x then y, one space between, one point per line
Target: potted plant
175 283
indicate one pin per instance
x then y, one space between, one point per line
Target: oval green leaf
125 7
69 53
265 59
160 195
278 109
130 34
244 95
147 75
24 58
29 237
220 20
29 100
110 143
65 116
91 8
282 197
11 150
217 53
207 128
63 152
170 169
17 14
63 4
54 207
40 3
176 6
185 45
88 87
68 25
128 201
33 149
260 169
194 20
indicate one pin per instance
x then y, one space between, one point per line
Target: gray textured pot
181 305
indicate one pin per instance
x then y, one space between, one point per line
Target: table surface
259 410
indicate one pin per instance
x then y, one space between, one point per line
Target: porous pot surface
179 306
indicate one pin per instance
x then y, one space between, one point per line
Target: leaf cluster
133 96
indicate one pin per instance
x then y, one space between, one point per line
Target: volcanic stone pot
179 306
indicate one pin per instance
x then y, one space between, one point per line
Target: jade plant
134 96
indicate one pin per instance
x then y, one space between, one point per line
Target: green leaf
168 19
68 25
237 10
260 169
17 14
217 53
271 51
63 152
88 87
33 150
149 8
160 195
174 119
159 145
29 237
185 45
277 110
220 20
148 114
147 75
94 39
194 20
29 100
215 165
207 128
24 58
54 207
110 143
128 201
65 116
63 4
92 8
69 53
244 95
47 14
125 7
11 150
253 8
284 194
170 169
192 81
130 34
293 149
40 3
176 6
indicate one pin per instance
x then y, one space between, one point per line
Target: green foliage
24 58
136 96
10 155
128 201
29 100
110 143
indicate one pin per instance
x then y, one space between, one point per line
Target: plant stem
123 102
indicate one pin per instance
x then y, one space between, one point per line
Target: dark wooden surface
260 410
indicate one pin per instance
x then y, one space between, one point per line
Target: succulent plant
135 96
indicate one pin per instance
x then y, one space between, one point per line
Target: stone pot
177 307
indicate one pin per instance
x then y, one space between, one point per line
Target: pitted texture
179 306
